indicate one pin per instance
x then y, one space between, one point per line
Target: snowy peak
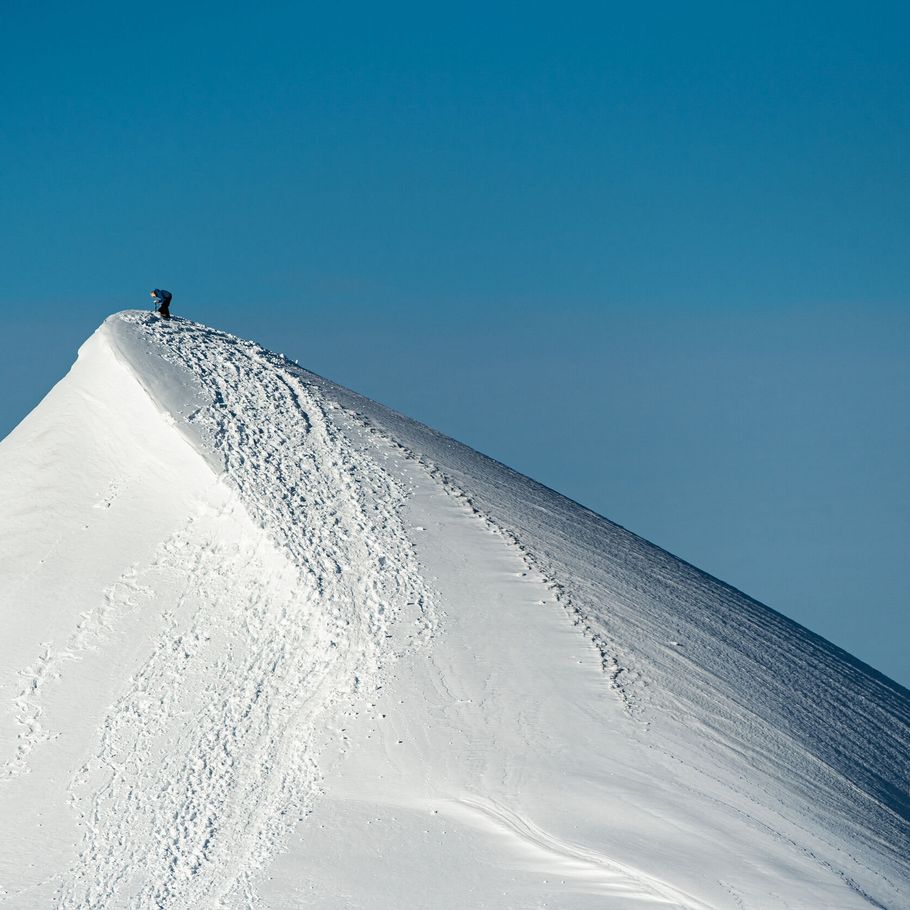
270 642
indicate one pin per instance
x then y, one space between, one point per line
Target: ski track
210 758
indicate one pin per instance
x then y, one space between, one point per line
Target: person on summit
162 302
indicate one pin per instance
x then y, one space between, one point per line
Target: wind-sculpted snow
823 738
269 644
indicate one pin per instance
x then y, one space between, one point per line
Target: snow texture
267 643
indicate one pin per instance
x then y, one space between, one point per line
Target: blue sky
653 256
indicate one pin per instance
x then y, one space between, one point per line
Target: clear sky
657 256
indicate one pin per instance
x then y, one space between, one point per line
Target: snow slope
269 644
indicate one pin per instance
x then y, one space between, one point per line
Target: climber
162 302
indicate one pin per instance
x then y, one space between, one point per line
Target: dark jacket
163 299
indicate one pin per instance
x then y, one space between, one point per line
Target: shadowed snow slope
269 644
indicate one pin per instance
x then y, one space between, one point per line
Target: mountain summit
269 644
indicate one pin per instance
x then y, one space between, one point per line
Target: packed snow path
333 515
270 644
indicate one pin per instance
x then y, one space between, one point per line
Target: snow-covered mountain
266 643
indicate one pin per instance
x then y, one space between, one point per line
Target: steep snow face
267 643
177 635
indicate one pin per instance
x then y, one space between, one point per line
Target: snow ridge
212 806
274 644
